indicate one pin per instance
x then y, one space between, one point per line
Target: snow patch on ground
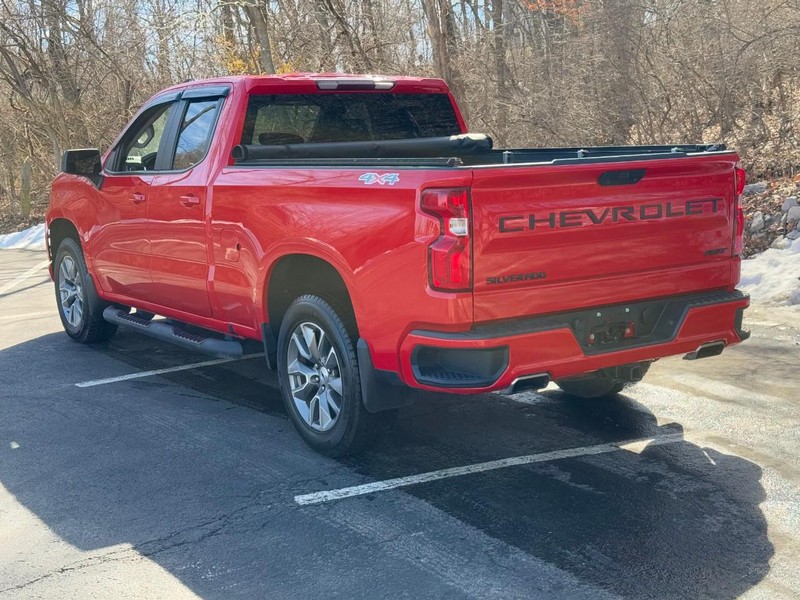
28 239
773 277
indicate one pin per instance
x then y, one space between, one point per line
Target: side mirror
85 161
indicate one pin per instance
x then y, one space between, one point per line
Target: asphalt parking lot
119 483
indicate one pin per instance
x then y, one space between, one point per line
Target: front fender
73 199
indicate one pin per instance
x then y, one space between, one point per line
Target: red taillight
449 256
741 181
738 244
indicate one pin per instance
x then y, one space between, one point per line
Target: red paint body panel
368 235
177 233
608 262
557 352
119 244
209 263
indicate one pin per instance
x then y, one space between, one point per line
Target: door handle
190 200
138 197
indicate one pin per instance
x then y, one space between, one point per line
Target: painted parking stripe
20 278
391 484
141 374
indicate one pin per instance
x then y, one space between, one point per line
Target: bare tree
528 72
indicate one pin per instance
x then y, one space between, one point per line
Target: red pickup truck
352 225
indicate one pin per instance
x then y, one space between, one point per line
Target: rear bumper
491 357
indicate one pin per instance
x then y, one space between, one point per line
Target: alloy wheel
70 290
315 377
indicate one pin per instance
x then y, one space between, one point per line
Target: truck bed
558 229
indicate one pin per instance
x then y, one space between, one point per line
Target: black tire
595 385
79 308
353 429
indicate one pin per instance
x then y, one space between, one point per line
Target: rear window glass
314 118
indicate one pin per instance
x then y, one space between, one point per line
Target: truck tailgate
551 238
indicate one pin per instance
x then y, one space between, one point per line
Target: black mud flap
98 305
381 390
270 346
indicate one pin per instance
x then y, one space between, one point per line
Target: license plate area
606 328
611 333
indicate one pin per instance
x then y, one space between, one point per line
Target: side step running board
174 335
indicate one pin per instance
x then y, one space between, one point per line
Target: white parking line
208 363
20 278
391 484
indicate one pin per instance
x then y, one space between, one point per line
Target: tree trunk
25 189
327 61
360 60
442 33
258 19
498 35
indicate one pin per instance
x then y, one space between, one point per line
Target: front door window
139 150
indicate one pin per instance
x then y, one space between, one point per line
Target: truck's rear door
550 238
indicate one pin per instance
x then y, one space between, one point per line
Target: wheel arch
58 230
293 274
334 281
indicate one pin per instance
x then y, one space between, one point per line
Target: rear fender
308 247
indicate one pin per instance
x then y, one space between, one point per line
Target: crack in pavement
148 548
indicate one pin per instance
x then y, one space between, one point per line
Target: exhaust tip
529 383
706 350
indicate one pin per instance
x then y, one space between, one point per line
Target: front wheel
319 380
78 307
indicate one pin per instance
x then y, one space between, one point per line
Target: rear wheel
78 307
598 384
595 386
319 380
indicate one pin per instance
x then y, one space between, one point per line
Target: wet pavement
186 483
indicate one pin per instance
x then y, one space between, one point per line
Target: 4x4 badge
385 179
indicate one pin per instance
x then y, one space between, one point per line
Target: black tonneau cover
472 149
436 147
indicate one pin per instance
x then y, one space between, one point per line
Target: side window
139 148
195 133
